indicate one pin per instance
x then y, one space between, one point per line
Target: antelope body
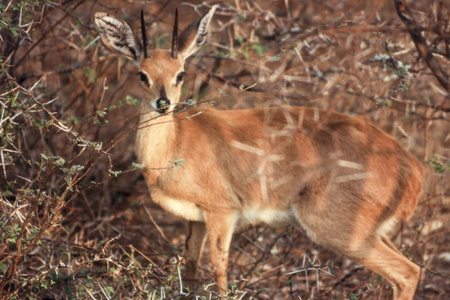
345 181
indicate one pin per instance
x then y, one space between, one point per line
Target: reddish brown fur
337 211
345 181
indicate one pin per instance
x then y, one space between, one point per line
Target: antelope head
160 71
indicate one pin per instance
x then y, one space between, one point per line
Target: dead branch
421 44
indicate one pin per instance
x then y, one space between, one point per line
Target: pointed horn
175 36
144 35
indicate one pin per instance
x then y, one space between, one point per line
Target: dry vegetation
76 220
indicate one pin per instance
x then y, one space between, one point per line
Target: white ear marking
117 36
204 25
193 36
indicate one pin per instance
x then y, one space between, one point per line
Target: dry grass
76 220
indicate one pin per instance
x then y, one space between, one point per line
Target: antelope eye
144 78
180 77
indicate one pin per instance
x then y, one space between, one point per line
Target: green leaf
178 163
15 31
3 268
109 290
137 166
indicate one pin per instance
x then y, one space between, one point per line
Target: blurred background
76 219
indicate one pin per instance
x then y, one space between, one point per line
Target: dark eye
144 78
180 77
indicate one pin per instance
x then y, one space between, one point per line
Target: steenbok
344 181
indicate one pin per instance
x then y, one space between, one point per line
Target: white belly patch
265 215
182 208
192 212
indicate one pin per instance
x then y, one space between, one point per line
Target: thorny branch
421 44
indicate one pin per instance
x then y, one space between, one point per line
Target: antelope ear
191 39
118 37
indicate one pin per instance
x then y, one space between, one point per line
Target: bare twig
421 44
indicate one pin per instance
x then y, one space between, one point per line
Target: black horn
175 36
144 35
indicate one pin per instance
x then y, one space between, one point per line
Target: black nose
162 105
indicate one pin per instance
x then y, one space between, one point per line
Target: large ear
118 37
193 36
